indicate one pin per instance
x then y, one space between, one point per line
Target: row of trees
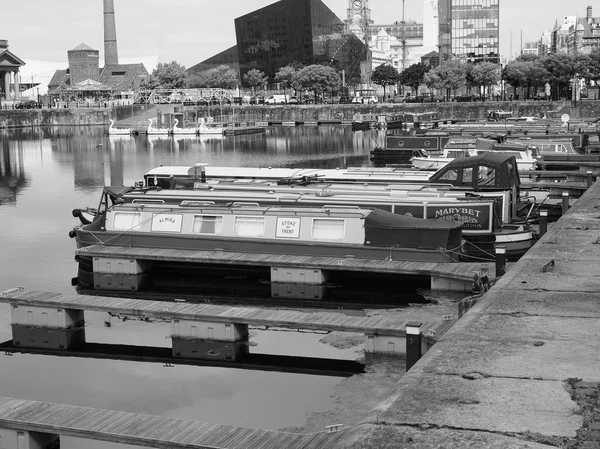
557 69
315 78
528 72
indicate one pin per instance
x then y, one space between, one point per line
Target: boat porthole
427 143
408 214
400 143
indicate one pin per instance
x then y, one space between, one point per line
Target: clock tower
358 8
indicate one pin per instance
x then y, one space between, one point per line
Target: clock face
357 4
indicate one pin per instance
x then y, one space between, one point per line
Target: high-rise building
303 31
470 30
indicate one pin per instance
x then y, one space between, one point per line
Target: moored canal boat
487 199
327 232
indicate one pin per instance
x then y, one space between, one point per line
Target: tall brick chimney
589 14
111 56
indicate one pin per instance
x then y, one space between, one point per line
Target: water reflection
347 292
46 173
12 171
184 351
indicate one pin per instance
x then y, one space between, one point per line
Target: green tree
526 73
385 75
353 80
413 76
447 77
255 78
562 68
317 79
222 76
485 74
166 76
284 75
592 66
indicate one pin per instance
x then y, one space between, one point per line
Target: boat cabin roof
469 142
375 219
489 171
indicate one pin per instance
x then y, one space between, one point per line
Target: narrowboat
327 232
484 205
460 147
400 147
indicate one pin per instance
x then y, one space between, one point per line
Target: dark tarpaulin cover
384 228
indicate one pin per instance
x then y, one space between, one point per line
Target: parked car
293 100
399 98
465 98
358 99
344 100
371 99
28 104
413 99
258 99
277 99
237 100
431 98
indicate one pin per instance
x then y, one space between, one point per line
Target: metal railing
183 96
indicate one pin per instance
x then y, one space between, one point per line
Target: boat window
249 226
328 228
126 221
487 176
450 175
207 224
562 149
467 176
455 154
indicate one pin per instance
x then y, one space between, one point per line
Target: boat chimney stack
111 56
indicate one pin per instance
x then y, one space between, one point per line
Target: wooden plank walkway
451 270
147 430
289 319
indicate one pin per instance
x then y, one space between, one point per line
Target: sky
189 31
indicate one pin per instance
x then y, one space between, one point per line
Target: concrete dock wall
299 113
498 378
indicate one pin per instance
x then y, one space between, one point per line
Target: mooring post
500 260
413 343
543 222
589 179
565 202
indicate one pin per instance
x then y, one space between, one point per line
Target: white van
277 99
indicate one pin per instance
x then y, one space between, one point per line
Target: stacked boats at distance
546 144
466 146
484 206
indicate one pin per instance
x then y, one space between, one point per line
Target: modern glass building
471 28
304 31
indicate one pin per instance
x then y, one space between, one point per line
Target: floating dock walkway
452 276
41 423
379 325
